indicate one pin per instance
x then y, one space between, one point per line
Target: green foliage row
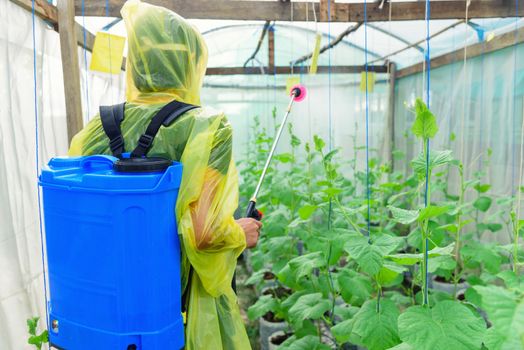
318 267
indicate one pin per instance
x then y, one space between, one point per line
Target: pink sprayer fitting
300 92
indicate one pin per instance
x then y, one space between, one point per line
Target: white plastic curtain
21 278
481 103
334 103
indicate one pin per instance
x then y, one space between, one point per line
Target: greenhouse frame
390 194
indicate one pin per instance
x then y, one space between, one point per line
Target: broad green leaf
482 188
319 143
412 259
292 299
368 256
511 280
309 342
448 325
398 298
425 125
306 211
309 306
387 243
389 273
483 203
38 340
378 330
332 191
494 227
330 155
303 265
355 288
443 262
482 253
32 323
432 211
342 331
403 216
284 157
264 304
436 159
505 311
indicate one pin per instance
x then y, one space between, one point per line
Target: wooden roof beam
340 12
296 70
499 42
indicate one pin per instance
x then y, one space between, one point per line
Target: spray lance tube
298 93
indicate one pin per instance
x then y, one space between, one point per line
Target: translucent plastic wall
334 103
21 277
479 106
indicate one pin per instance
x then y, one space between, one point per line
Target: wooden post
327 10
389 139
70 67
271 50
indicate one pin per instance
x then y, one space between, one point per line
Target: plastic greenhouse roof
232 42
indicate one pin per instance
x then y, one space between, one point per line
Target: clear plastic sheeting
21 280
232 42
343 103
479 106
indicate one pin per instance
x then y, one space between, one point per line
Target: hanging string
86 77
481 101
330 143
426 193
515 46
330 121
465 65
309 99
368 187
37 163
110 55
519 191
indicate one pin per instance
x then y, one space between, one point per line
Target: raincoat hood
167 56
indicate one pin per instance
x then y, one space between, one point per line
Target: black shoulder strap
111 117
167 115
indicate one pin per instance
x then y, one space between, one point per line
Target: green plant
36 339
349 285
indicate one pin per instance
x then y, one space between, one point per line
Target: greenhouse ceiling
232 42
395 30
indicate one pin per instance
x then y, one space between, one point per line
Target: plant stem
425 230
459 224
379 295
346 216
515 244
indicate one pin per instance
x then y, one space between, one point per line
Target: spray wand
298 93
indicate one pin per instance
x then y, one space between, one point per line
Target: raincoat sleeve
208 198
211 238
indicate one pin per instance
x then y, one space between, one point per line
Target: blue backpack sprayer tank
113 252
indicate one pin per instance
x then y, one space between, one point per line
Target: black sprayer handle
252 211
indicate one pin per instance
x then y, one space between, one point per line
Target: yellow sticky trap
108 52
290 82
370 81
316 53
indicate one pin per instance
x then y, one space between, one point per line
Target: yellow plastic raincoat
167 60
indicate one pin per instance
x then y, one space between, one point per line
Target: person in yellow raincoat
166 61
